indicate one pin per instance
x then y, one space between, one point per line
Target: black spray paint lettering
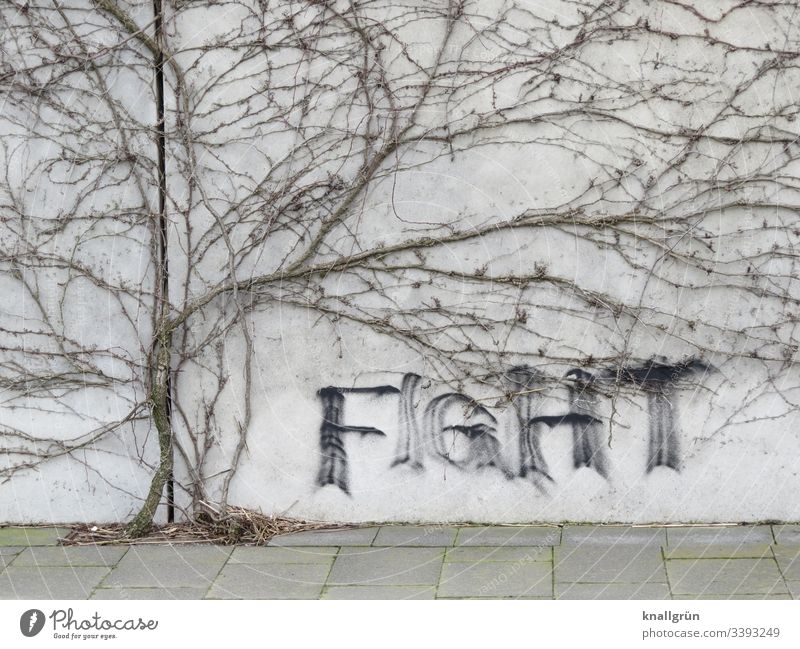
333 468
463 433
409 444
477 433
526 386
587 433
660 381
587 449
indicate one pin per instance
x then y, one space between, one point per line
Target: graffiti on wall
454 428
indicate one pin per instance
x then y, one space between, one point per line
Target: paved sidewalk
419 562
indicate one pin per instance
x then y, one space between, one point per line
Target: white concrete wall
76 276
735 465
704 268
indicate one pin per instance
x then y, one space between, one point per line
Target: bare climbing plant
437 173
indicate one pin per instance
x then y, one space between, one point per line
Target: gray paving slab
415 536
509 536
727 535
157 566
87 555
789 534
721 551
195 553
542 598
55 582
725 577
27 536
303 554
407 562
351 537
270 581
580 564
379 592
513 553
788 558
8 554
611 535
612 591
496 579
735 596
387 566
149 593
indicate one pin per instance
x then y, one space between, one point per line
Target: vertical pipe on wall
163 224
